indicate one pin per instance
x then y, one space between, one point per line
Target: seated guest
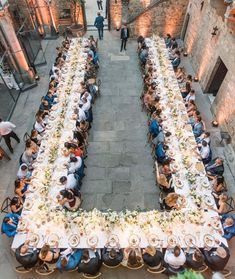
217 258
173 201
218 185
190 96
188 86
44 107
176 61
154 127
75 164
90 262
132 257
72 148
198 127
191 106
160 138
215 167
143 54
166 170
168 40
112 256
160 152
31 148
27 256
50 99
152 257
39 125
69 200
20 188
71 181
205 136
9 224
222 207
69 259
16 205
228 223
48 255
173 44
180 74
35 137
23 172
194 258
175 259
205 152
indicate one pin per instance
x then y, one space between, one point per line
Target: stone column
12 44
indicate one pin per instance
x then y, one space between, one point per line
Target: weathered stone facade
115 14
159 17
204 50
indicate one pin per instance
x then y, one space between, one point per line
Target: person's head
198 118
192 92
63 180
6 220
14 201
189 77
207 134
221 252
168 35
98 13
112 254
198 255
28 143
34 133
220 180
171 199
165 147
17 183
219 161
64 261
132 258
73 159
167 134
229 221
150 250
24 167
204 143
85 255
44 250
24 249
177 52
192 102
177 251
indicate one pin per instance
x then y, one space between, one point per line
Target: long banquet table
44 220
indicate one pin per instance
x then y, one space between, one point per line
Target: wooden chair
108 266
135 268
91 276
202 269
156 271
231 204
226 272
72 270
21 269
5 207
44 270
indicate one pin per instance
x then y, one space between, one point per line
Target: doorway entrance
217 77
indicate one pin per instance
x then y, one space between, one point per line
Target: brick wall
165 17
204 51
116 13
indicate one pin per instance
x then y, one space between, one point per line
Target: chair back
5 207
135 268
231 204
26 137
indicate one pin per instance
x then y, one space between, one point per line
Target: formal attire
92 267
214 168
215 262
29 259
10 229
175 62
124 37
229 231
175 264
99 24
109 261
73 259
99 4
6 131
198 129
153 261
160 153
191 263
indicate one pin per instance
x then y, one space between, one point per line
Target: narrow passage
119 170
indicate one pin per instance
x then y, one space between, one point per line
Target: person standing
6 131
99 24
99 4
124 36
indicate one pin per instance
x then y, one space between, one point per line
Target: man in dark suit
99 24
26 256
112 257
124 36
90 265
215 167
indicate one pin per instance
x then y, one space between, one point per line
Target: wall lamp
215 29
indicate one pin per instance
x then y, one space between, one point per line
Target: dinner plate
74 240
134 240
22 225
172 240
190 240
53 239
209 200
33 239
209 240
215 224
113 240
89 228
153 240
28 204
92 240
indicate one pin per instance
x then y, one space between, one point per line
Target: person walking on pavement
124 36
99 24
6 131
99 4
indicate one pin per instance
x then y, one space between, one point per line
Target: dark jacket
99 22
153 261
123 33
192 263
92 267
229 232
112 262
29 260
217 170
214 262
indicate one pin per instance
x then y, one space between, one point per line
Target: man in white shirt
205 152
69 181
175 258
190 96
81 114
86 105
6 131
75 164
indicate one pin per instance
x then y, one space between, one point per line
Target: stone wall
116 13
204 50
164 17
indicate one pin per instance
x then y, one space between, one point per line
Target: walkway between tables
119 170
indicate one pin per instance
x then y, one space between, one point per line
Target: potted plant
76 28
